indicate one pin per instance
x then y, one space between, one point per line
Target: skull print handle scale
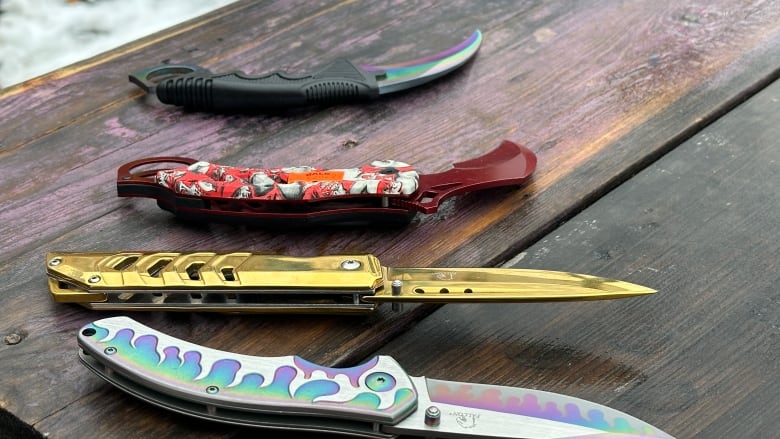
384 192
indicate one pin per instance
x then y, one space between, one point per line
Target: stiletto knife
340 82
376 399
385 192
247 282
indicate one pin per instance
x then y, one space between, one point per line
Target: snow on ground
38 36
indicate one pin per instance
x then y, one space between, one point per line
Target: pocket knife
376 399
340 82
385 192
255 283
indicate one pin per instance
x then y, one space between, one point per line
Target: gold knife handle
141 280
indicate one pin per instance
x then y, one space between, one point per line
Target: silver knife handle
207 382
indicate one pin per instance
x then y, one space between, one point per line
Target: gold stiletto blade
248 282
499 285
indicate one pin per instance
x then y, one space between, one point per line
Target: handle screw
212 390
350 264
432 416
396 290
55 262
94 279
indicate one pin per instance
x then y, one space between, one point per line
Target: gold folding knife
257 283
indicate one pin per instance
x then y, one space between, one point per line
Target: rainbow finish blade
484 410
403 75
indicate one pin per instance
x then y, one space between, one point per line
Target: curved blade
480 410
403 75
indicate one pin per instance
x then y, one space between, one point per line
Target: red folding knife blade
383 192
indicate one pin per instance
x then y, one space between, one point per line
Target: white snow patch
38 36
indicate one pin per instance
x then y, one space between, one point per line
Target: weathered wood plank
577 83
699 359
562 100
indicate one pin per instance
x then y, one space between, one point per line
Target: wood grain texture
597 89
552 94
699 358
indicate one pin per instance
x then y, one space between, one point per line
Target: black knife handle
338 83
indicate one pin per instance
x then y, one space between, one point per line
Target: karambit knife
247 282
384 192
340 82
376 399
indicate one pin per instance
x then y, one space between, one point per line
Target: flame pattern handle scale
340 82
248 390
386 192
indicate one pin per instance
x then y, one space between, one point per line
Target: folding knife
386 192
247 282
340 82
376 399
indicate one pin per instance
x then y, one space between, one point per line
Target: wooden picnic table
655 125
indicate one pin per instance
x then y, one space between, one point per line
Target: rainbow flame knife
343 284
342 81
376 399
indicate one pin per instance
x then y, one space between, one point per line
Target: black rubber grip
340 82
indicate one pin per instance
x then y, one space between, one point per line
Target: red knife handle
507 165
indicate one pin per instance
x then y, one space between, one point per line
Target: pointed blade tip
514 412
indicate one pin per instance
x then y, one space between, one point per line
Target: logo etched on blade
445 275
465 419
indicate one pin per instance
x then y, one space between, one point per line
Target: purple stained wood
598 90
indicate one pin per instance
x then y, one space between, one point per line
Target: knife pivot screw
110 350
94 279
432 416
212 390
55 262
396 286
380 381
350 264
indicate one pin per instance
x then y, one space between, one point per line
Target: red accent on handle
509 164
125 175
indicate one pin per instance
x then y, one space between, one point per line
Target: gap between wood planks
359 353
507 258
